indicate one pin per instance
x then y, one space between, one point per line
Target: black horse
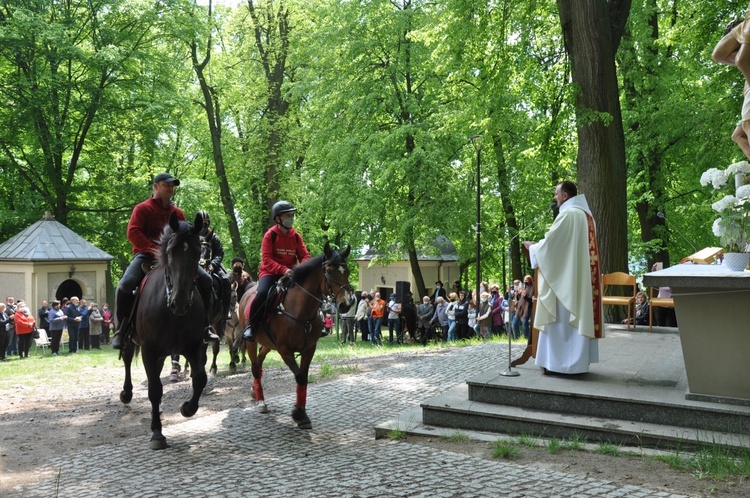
170 319
215 314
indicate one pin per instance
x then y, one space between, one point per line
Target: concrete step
646 410
454 410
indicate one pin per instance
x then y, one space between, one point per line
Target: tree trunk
272 43
602 172
514 245
213 115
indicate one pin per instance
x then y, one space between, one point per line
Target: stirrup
209 336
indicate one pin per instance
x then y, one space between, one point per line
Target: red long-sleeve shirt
147 224
281 252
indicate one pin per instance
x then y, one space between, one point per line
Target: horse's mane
164 245
302 270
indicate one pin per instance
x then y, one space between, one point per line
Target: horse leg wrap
258 388
301 397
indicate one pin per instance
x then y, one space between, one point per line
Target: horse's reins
326 279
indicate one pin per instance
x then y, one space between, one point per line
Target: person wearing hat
281 250
439 292
239 276
145 227
214 266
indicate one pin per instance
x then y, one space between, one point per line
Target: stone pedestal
713 314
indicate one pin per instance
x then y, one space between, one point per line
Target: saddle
273 302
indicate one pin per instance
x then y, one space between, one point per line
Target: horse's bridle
207 261
168 278
342 286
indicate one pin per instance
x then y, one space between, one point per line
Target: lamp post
476 142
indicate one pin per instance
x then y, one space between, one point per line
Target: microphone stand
509 372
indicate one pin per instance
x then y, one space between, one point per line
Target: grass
712 461
331 356
456 437
608 449
397 434
505 449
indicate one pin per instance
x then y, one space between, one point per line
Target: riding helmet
282 207
205 216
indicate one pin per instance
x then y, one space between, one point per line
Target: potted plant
734 211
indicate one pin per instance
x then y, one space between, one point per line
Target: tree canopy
361 114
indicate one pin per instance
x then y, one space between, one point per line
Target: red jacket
280 252
24 323
147 224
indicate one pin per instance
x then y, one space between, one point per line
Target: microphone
660 214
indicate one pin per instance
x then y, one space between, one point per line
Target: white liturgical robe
568 312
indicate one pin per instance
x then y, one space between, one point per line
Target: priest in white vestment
568 311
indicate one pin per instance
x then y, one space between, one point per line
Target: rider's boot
208 334
117 338
248 334
226 295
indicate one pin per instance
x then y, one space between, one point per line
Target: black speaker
403 291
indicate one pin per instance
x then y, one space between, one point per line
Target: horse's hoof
232 368
299 415
186 411
262 407
212 371
174 377
158 443
126 396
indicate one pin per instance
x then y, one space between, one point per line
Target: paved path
240 452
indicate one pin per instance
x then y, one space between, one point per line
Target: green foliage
456 437
364 124
505 449
608 449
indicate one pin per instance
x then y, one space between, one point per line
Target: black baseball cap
238 260
166 177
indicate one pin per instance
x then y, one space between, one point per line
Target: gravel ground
88 413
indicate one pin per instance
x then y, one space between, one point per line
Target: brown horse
295 325
233 334
169 320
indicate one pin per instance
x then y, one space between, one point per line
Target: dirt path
69 417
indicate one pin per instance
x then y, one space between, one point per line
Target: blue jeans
375 324
394 323
452 330
516 327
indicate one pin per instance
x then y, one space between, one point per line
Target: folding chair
43 341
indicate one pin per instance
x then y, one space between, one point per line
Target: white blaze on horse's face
184 247
342 269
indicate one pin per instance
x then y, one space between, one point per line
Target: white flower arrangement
734 210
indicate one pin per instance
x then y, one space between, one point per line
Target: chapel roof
49 240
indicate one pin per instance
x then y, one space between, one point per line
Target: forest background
360 112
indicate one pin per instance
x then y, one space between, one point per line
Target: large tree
63 66
592 30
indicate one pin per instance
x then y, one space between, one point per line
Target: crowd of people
441 316
87 325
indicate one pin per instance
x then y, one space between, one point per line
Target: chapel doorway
68 288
